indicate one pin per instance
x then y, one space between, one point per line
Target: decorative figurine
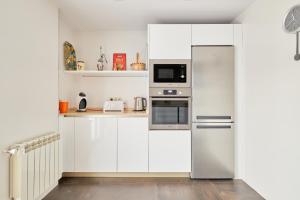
101 60
69 56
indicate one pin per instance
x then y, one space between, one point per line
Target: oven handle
170 98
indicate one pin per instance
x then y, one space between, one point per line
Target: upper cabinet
212 34
174 41
169 41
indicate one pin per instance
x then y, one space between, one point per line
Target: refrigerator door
213 83
212 151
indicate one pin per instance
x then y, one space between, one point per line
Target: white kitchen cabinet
95 144
212 34
66 129
133 144
169 41
170 151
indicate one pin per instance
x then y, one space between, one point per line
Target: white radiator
35 167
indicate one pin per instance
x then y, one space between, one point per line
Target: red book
119 62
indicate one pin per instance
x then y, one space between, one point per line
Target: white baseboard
125 174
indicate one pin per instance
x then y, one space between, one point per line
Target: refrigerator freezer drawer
212 151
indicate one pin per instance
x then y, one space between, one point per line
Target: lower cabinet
170 151
96 144
66 129
122 145
133 145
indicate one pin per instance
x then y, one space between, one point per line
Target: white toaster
113 106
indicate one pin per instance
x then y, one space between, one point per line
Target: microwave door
164 73
170 73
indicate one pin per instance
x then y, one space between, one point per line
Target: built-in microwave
170 73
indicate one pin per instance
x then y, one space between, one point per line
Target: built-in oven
170 109
170 73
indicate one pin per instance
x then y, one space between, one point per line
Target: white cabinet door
95 144
169 41
66 129
133 145
212 34
170 151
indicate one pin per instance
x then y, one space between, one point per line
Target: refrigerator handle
201 117
214 119
214 126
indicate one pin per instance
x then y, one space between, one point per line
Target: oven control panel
160 92
170 92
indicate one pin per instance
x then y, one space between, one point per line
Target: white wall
114 41
272 101
99 89
29 75
67 84
239 116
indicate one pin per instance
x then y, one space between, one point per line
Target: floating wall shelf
108 73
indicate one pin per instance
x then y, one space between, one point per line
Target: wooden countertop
91 112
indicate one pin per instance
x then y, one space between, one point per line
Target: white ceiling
90 15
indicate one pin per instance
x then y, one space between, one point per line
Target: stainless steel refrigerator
212 112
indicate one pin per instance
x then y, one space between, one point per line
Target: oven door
170 113
170 73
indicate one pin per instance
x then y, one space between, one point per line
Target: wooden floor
151 189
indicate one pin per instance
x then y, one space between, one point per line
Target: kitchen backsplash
100 89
